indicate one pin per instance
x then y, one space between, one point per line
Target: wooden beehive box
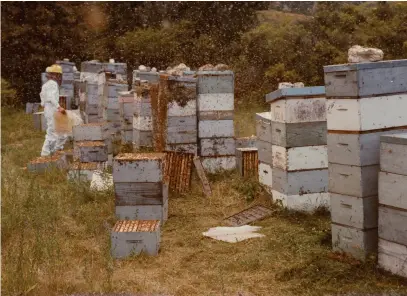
132 237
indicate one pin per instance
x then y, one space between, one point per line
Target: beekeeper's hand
62 110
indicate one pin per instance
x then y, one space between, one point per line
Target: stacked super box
92 146
152 77
215 120
263 144
140 188
142 118
126 108
364 101
117 71
299 151
181 120
91 86
393 204
67 86
110 104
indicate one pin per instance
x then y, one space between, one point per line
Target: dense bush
284 47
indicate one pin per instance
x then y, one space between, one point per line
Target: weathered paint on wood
393 257
373 79
217 147
96 153
264 151
216 102
215 83
354 211
305 203
299 183
219 163
263 127
392 190
393 158
138 170
176 109
265 175
356 149
393 224
294 110
181 124
126 136
142 138
300 158
143 212
125 244
299 134
178 170
183 137
370 113
216 129
113 103
32 107
353 180
216 115
183 148
91 132
399 138
357 242
143 193
143 123
245 142
201 173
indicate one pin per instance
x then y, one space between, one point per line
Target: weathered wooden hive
299 152
263 144
143 115
215 105
126 109
110 104
140 187
392 214
364 101
67 86
132 237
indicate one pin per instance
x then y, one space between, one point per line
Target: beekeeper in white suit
50 101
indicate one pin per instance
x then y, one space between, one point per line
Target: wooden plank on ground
202 176
249 215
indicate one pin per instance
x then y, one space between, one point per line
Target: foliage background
265 43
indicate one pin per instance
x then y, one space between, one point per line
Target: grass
55 239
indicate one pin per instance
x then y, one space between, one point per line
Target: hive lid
400 138
140 156
368 65
295 92
136 225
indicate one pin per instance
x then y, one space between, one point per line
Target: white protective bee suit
50 101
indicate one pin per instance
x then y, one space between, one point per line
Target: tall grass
56 241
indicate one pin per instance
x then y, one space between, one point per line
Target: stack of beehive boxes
91 149
126 108
116 71
263 144
142 119
299 152
140 188
152 77
67 86
110 104
393 203
364 101
215 119
180 129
